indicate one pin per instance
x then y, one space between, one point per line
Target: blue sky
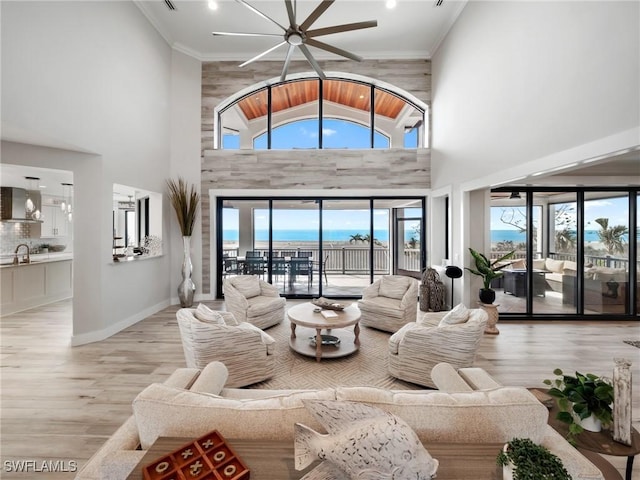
335 134
615 209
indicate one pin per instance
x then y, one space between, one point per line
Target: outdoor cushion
552 265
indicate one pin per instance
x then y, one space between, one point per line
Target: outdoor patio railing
353 260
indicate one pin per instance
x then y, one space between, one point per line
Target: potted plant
522 459
584 401
488 270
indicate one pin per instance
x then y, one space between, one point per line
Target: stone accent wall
305 169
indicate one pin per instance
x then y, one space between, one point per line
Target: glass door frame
632 300
319 200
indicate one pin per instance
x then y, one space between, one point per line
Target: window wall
573 250
315 113
310 247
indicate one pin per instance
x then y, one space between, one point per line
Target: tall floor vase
187 288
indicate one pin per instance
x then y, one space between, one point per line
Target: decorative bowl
327 304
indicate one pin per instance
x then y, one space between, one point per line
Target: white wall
186 81
95 75
517 81
518 87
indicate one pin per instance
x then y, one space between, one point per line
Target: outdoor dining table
289 267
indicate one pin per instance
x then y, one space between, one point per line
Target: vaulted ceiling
412 29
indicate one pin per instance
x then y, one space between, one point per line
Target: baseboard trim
98 335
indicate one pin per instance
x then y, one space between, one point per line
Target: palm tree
356 237
367 239
612 237
565 240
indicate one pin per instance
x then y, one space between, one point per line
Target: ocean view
381 235
311 235
517 237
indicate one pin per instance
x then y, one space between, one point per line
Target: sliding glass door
310 247
573 251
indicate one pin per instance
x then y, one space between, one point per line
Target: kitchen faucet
15 257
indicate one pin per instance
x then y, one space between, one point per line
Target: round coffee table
332 344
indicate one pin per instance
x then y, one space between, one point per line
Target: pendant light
29 206
69 215
65 206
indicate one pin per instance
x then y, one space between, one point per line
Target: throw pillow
247 285
393 287
459 314
205 314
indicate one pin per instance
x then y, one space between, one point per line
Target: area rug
365 367
635 343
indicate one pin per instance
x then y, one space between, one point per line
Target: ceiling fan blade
341 28
312 61
263 54
241 34
320 9
255 10
290 12
332 49
286 62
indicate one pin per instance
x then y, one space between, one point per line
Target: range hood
12 200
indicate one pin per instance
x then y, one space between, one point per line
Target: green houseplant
522 459
488 270
581 397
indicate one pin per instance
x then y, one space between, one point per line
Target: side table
492 311
600 442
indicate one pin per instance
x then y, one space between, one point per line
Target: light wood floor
62 403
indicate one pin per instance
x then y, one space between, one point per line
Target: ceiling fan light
294 39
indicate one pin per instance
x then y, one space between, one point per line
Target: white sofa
470 408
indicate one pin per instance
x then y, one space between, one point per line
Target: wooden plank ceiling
292 94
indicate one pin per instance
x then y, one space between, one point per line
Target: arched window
336 133
314 113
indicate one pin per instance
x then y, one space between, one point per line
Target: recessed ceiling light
213 5
391 3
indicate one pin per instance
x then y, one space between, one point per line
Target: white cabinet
30 285
55 222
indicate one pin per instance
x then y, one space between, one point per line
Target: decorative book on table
328 314
207 458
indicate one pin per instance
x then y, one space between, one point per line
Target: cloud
328 132
596 203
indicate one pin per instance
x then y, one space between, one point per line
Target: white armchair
246 351
253 300
417 347
389 303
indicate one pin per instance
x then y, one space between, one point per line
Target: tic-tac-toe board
207 458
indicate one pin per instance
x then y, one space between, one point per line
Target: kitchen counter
6 260
47 279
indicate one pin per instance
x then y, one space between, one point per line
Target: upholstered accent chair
389 303
253 300
435 337
246 351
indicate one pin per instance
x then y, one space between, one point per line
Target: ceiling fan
299 35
